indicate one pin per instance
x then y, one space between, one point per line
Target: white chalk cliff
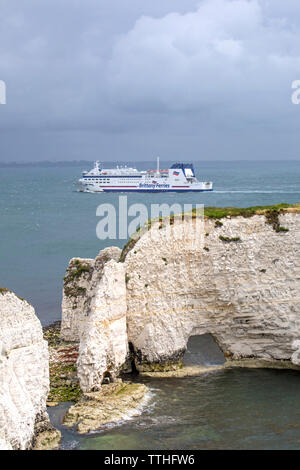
24 374
103 344
239 281
94 313
242 286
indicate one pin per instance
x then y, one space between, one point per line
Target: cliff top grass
75 270
4 290
218 213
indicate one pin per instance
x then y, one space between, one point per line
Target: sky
129 80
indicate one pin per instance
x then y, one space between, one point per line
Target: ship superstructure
180 177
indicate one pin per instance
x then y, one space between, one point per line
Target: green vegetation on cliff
75 270
220 212
64 385
4 290
229 239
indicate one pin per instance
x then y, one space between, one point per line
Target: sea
45 222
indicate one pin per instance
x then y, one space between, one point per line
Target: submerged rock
114 402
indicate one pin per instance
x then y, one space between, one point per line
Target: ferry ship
180 177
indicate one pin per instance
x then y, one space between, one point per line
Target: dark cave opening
203 350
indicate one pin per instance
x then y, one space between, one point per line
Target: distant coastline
46 164
149 163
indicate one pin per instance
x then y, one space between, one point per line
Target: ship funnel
157 165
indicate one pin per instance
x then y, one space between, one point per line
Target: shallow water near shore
221 408
225 409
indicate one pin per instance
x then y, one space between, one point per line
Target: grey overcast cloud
132 79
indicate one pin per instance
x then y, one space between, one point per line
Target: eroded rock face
24 374
238 280
80 283
76 287
241 285
103 342
96 317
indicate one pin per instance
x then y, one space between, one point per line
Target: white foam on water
130 415
70 445
162 420
255 191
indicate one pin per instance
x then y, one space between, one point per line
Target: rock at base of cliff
114 402
46 436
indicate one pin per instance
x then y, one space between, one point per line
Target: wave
70 445
256 191
220 191
144 405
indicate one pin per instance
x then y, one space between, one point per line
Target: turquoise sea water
44 222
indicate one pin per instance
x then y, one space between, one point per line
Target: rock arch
238 280
240 284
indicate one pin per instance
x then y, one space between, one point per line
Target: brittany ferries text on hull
179 178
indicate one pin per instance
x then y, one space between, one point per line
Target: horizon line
54 162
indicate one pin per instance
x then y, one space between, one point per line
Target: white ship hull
95 188
179 178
